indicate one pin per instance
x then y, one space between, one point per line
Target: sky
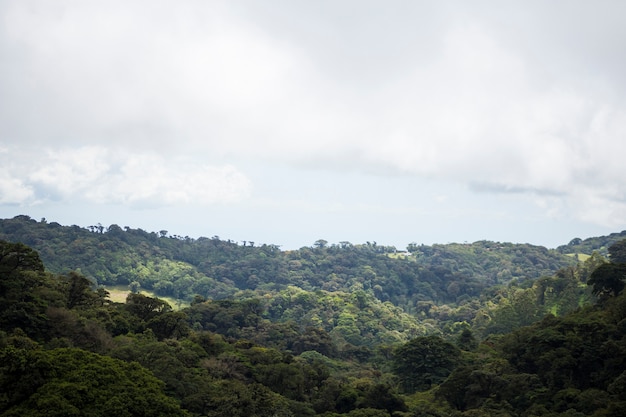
285 121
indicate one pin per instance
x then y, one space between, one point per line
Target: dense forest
473 329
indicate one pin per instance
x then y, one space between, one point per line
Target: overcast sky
286 121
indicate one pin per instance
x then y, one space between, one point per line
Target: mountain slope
183 267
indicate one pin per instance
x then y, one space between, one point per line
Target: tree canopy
455 330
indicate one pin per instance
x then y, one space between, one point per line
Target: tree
18 257
146 307
617 252
74 382
168 325
380 396
608 279
134 287
424 361
23 292
320 243
466 340
79 291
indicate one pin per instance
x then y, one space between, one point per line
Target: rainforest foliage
333 329
363 294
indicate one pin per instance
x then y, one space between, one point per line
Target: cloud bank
152 103
99 175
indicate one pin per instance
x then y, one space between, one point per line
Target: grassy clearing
118 294
581 257
399 255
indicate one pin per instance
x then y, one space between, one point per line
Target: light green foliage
517 308
183 267
592 244
358 319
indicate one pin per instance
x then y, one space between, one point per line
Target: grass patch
581 257
399 255
118 294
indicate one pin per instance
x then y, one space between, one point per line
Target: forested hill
182 267
67 349
362 294
598 244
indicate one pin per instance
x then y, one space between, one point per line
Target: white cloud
13 190
524 98
153 180
70 171
100 175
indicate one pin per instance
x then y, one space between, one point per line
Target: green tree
320 243
134 287
617 252
608 279
381 396
466 340
146 307
21 270
424 361
25 290
18 257
79 292
74 382
168 325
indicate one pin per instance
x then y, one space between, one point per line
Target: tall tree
608 279
74 382
424 361
617 252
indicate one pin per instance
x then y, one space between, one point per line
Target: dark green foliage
617 252
367 412
16 257
592 244
424 361
146 308
73 382
182 267
328 330
204 372
335 395
608 279
466 340
227 317
169 325
21 271
573 364
314 339
25 290
381 397
360 295
79 291
234 398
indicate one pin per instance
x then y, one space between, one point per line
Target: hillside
214 268
587 246
66 349
429 289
